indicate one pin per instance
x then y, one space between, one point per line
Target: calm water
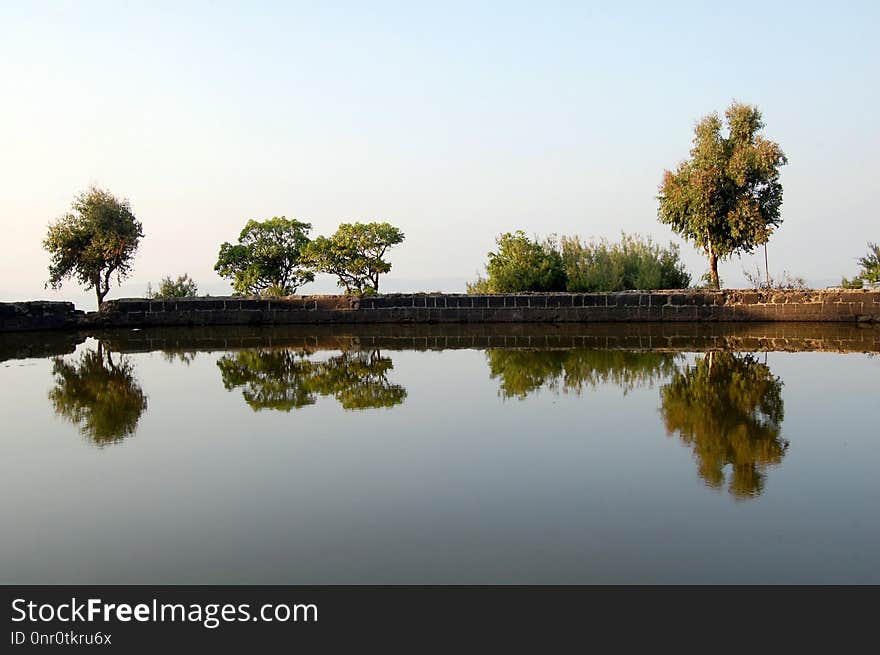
291 457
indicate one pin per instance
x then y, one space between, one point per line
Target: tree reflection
99 395
288 379
728 408
522 372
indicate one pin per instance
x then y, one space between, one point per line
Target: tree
97 238
870 272
729 410
727 197
267 258
522 264
354 254
183 287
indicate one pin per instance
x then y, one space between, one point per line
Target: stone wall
656 306
38 315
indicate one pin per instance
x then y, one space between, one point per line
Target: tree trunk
100 294
713 267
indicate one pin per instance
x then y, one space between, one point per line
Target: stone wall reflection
99 394
287 379
728 408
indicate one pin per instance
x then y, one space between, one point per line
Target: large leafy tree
96 239
727 197
355 254
728 408
267 258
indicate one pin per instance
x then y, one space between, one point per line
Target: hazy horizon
454 123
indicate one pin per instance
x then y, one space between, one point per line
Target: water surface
513 454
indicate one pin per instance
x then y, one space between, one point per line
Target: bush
182 287
632 263
522 264
870 272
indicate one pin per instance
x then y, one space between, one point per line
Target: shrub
522 264
182 287
632 263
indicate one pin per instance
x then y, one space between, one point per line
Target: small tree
870 272
870 264
354 254
268 256
727 197
183 287
95 240
522 264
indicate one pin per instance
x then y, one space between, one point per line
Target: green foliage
354 254
182 287
100 396
286 379
870 264
729 410
95 240
479 286
267 258
522 372
870 272
727 197
522 264
632 263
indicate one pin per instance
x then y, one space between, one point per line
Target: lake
426 454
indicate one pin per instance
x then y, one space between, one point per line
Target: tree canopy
267 258
727 197
96 239
182 287
355 254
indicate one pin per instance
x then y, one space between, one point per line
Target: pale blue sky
454 121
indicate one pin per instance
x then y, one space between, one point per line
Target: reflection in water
728 408
100 395
524 371
287 379
183 356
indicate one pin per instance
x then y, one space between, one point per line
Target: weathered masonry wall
38 315
659 306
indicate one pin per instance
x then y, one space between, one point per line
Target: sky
453 121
